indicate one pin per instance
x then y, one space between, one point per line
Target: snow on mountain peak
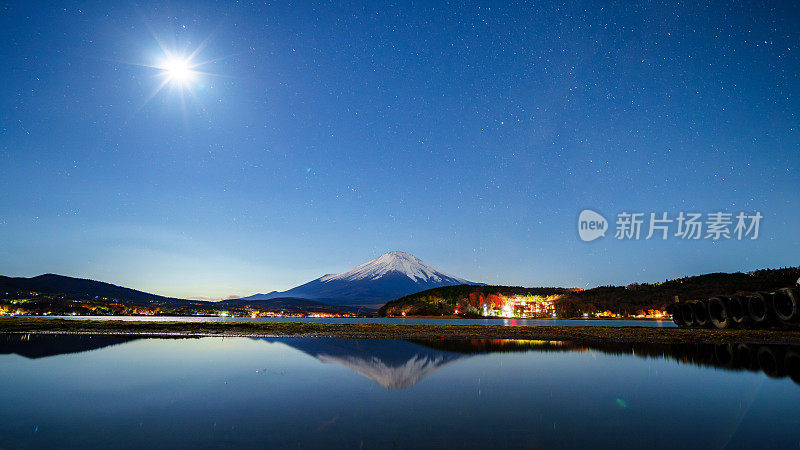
402 262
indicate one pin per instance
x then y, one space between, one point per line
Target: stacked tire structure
756 310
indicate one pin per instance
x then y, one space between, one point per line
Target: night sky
307 138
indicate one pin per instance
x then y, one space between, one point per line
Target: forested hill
443 300
625 300
628 299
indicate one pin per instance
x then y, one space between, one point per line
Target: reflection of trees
472 346
44 345
399 364
776 361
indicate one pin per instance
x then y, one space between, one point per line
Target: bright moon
178 70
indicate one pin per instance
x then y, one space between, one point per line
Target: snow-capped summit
387 277
399 262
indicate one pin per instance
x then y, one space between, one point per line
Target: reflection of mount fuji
396 364
391 363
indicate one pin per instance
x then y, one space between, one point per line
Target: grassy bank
380 331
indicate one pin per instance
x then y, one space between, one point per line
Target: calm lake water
394 321
112 392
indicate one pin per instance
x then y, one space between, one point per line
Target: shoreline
445 317
451 316
383 331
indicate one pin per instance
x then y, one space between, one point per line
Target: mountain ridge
60 291
50 283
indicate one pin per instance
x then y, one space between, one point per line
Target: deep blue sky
326 134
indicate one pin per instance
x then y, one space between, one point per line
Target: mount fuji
387 277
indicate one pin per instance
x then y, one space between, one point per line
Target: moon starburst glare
178 70
180 73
